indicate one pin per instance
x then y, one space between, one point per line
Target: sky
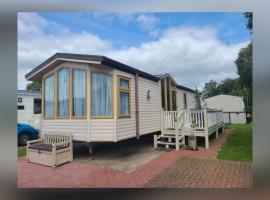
193 47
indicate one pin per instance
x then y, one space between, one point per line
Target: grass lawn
238 146
21 152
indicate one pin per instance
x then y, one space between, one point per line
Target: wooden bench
52 150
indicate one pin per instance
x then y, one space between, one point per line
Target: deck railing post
223 124
161 121
155 141
206 129
178 119
217 115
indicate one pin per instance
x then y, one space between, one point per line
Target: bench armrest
34 141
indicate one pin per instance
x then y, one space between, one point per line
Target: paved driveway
167 169
189 172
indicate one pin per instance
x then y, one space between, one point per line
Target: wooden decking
175 125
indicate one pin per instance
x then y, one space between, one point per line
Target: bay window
101 95
49 96
79 93
63 92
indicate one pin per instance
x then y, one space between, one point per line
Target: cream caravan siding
126 127
232 106
78 128
149 109
180 99
227 103
238 118
102 130
27 115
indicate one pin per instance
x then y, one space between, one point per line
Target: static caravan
98 99
233 107
29 107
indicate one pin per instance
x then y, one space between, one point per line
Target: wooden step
169 136
166 143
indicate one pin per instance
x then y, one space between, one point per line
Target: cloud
192 55
148 23
145 22
39 39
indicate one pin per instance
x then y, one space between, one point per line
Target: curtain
63 92
124 99
101 94
78 92
49 96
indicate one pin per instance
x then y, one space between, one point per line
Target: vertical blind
63 75
101 94
49 96
78 92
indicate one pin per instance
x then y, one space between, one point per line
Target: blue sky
193 47
231 26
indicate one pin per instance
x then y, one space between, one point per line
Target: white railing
214 117
169 118
196 116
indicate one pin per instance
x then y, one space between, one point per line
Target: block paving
173 169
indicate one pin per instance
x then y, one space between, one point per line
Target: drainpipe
137 106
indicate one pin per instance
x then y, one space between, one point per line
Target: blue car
26 133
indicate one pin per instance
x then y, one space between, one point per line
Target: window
168 82
101 95
78 93
37 106
163 93
62 92
20 100
49 96
124 97
185 100
174 107
20 107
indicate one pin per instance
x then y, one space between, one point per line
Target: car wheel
23 138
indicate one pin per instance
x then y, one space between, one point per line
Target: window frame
68 96
174 90
71 93
119 78
91 95
185 100
43 96
34 106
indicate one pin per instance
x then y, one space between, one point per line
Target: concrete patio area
123 156
135 164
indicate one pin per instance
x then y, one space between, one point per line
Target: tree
244 66
34 86
249 25
210 89
227 86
